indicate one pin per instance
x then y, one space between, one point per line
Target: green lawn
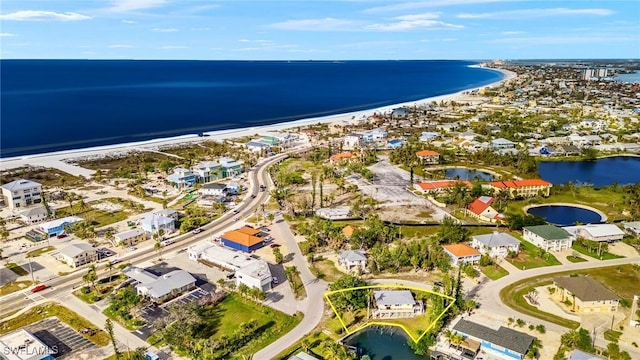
494 272
575 259
40 251
529 256
97 217
584 251
63 314
297 286
17 269
104 286
612 335
326 270
623 280
14 286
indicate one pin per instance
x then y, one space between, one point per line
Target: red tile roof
461 250
342 155
478 205
441 184
514 184
427 153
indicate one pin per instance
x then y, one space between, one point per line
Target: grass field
612 335
40 251
105 286
63 314
17 269
494 272
326 270
97 217
575 259
14 286
623 280
529 258
584 251
296 285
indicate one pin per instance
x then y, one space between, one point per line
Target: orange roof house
461 253
482 210
349 230
523 188
439 185
341 156
423 153
243 239
428 156
249 230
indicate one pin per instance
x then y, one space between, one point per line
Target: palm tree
158 248
109 267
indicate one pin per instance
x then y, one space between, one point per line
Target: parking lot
68 342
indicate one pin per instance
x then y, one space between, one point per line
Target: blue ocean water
49 105
623 170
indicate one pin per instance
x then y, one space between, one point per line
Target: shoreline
54 159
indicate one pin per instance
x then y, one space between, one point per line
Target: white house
496 244
21 193
547 237
502 143
129 237
255 275
34 215
152 223
596 232
207 171
160 288
257 146
632 227
352 141
353 259
78 254
396 304
170 213
213 189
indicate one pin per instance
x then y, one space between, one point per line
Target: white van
166 242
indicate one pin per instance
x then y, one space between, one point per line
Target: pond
623 170
383 343
565 215
467 174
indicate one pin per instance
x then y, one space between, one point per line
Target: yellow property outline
369 323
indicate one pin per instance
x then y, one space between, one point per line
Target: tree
90 277
4 233
352 299
158 248
165 165
451 231
109 267
278 255
108 326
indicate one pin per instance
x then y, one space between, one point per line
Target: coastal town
501 222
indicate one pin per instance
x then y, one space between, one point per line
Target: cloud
128 21
512 32
171 47
7 35
120 46
527 13
164 30
132 5
40 15
425 4
326 24
425 21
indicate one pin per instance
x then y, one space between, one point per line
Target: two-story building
504 342
353 259
392 304
21 193
152 223
438 186
585 294
34 214
208 171
78 254
548 237
596 232
129 237
182 178
230 167
462 253
428 157
244 239
502 143
57 227
523 188
256 274
482 210
213 189
496 244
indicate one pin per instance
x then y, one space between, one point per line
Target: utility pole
31 271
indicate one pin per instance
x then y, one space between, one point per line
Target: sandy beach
59 159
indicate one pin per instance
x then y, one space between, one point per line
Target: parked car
115 261
235 212
275 280
132 248
166 242
253 196
274 245
62 236
197 231
39 288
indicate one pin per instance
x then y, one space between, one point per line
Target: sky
319 29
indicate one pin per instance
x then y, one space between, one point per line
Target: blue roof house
395 143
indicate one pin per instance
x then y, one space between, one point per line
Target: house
23 345
207 171
230 167
255 275
353 259
581 355
395 144
57 227
152 223
21 193
340 157
437 186
182 178
160 288
34 215
245 239
213 189
632 227
523 188
547 237
496 244
502 143
428 136
348 231
392 304
352 141
257 146
428 157
596 232
504 342
303 356
233 188
585 294
78 254
482 210
461 253
246 268
129 237
468 135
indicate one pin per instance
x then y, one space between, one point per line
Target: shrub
541 329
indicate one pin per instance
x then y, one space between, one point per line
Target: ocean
51 105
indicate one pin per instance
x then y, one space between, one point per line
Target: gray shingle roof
585 288
353 255
497 239
20 184
505 337
393 297
76 249
166 283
